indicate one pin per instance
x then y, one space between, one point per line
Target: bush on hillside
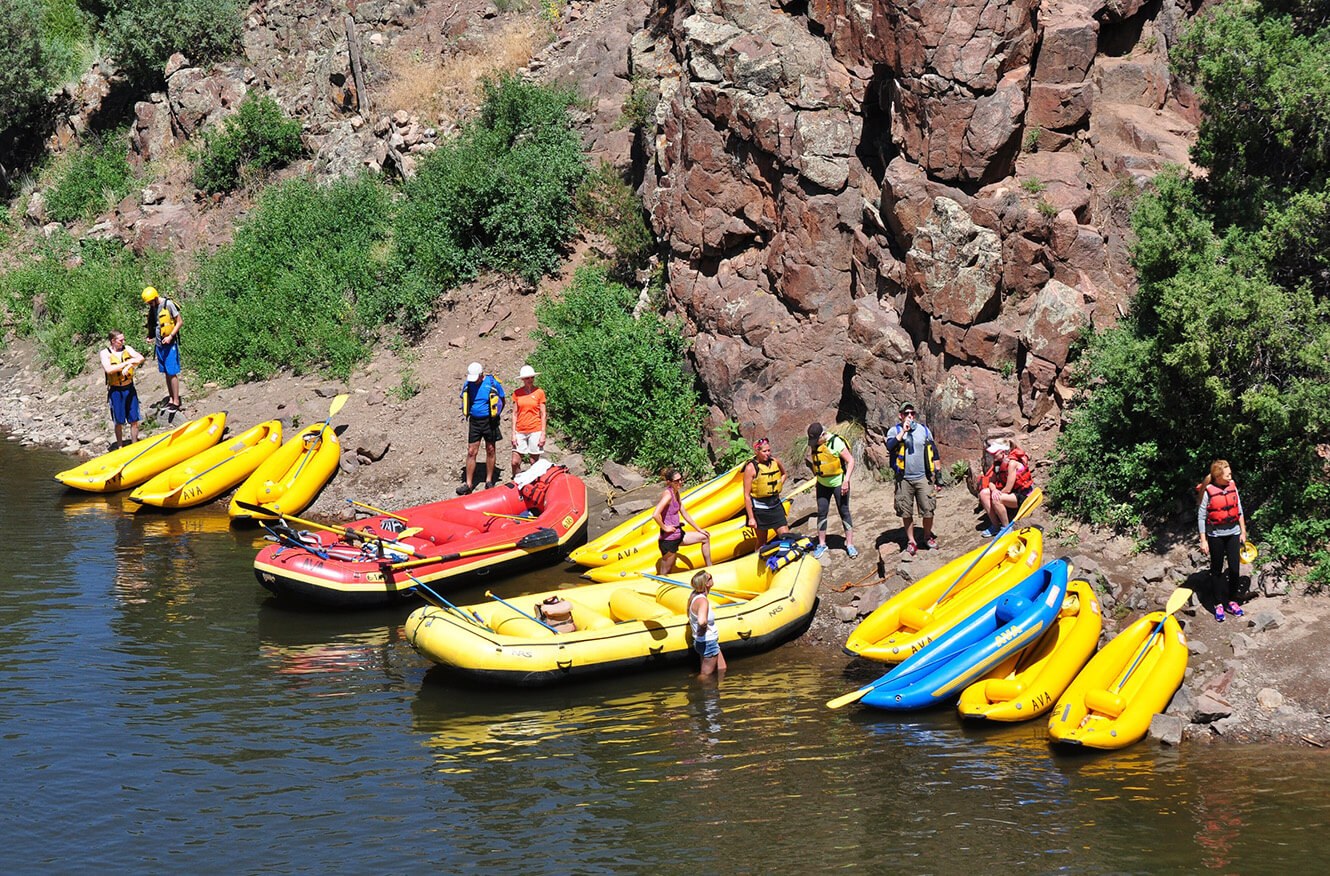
256 139
142 34
498 196
70 300
616 384
96 176
607 205
27 71
291 289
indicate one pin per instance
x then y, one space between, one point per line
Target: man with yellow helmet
163 325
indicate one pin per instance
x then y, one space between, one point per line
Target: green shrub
65 37
257 139
69 296
289 289
639 109
607 205
499 196
615 383
96 177
142 34
27 70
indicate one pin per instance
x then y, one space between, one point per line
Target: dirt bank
1262 677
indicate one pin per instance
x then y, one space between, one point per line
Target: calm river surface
161 714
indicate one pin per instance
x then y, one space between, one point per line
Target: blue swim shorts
168 359
124 404
707 647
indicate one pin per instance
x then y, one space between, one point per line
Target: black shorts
670 545
770 518
483 429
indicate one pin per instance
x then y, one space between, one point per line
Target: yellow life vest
826 460
767 479
165 324
120 378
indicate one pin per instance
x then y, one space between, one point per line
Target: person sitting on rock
1009 484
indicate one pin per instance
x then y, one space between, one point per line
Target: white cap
527 371
998 446
473 372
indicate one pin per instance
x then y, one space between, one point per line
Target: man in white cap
482 402
529 418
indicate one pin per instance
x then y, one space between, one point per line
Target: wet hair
700 580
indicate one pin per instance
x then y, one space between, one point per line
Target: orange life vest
1024 480
1222 509
120 378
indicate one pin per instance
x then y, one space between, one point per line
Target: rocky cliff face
874 201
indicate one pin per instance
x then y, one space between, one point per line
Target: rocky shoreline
1258 678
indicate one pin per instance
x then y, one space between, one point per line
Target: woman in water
706 638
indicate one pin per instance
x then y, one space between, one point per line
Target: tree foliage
258 138
27 70
142 34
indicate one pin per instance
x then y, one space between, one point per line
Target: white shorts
528 443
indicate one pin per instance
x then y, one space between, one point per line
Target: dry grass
442 89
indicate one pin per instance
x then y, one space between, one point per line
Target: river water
160 713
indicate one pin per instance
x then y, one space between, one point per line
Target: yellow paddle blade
1032 501
336 405
1178 599
846 699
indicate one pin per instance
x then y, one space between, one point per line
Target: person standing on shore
763 478
482 403
1223 529
530 417
831 461
163 325
118 363
914 460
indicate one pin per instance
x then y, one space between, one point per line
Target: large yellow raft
135 463
1130 680
621 627
206 476
1027 684
289 479
933 604
718 499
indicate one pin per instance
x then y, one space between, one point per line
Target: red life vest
1024 480
536 493
1222 509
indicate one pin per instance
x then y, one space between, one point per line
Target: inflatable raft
933 604
135 463
1131 679
209 474
289 479
489 532
996 630
1027 684
619 627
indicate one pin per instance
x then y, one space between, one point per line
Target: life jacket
1024 480
930 457
1223 508
536 493
826 458
497 395
558 613
767 479
165 324
785 549
120 378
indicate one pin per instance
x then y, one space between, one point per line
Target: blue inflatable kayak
1001 627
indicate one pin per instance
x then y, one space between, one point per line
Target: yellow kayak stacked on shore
938 601
209 474
1027 684
620 627
135 463
718 499
1130 680
289 479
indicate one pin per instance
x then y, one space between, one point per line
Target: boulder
373 446
1210 707
621 477
1058 314
1167 729
1269 698
954 266
1266 619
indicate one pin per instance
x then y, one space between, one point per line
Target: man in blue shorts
164 322
118 363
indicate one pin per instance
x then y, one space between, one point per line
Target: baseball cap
906 406
815 433
473 371
527 371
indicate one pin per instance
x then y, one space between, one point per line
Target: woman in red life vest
1223 530
1009 484
670 516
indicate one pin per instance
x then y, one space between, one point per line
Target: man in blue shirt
483 399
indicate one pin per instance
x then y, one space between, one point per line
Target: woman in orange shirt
529 417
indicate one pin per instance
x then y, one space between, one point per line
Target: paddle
421 585
340 530
508 516
730 594
541 538
379 511
290 540
333 408
1178 599
522 613
1032 501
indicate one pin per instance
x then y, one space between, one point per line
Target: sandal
1219 613
1235 609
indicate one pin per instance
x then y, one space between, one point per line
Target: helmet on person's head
149 294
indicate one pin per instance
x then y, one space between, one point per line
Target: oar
340 530
379 511
421 585
541 538
508 516
333 408
291 541
1178 599
522 613
1032 501
730 594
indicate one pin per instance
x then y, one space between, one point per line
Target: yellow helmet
149 294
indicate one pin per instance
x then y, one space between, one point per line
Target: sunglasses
676 480
761 442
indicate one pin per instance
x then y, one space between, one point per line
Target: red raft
371 562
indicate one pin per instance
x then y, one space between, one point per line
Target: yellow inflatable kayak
621 627
933 604
1111 701
718 499
206 476
1027 684
135 463
292 476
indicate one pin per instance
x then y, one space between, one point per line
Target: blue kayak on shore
940 670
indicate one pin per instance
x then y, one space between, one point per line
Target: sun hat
527 371
473 371
999 445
